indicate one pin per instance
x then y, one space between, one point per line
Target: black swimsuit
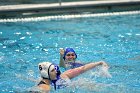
41 82
60 83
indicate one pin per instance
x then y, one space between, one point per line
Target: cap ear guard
58 71
44 74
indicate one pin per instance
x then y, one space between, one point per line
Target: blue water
114 39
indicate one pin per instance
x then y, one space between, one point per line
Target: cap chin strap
57 76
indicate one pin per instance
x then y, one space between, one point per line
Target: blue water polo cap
69 50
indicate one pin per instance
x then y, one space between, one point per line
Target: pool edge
31 10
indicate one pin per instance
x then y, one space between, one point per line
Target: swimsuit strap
41 82
54 81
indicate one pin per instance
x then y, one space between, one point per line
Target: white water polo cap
45 69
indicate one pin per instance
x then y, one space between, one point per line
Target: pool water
114 39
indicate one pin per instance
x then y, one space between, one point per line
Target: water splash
101 71
105 72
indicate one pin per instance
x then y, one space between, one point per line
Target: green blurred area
14 2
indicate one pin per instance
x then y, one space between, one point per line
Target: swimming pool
114 39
